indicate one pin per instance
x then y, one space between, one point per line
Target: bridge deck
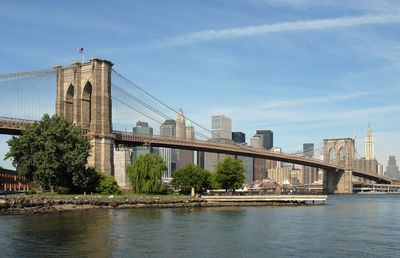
15 126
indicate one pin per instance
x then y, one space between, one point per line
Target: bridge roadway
132 139
14 126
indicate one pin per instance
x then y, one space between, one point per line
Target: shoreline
22 205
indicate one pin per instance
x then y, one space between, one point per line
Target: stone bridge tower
340 151
84 97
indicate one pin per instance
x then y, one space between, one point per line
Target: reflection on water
67 234
349 225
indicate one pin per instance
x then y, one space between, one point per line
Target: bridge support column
329 181
102 154
338 182
345 182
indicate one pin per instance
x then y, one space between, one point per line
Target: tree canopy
191 176
230 173
145 174
52 153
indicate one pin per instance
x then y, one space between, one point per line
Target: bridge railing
14 123
20 124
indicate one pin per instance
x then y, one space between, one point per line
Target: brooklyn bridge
87 93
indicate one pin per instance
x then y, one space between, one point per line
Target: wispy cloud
318 99
211 35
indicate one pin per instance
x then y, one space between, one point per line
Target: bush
31 192
63 190
107 185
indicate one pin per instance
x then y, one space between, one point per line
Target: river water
347 226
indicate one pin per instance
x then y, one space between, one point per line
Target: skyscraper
184 130
238 137
221 127
180 125
168 129
392 170
142 128
310 174
267 138
308 150
369 144
256 141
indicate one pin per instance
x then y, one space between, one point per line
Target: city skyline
304 70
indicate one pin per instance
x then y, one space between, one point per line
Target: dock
300 199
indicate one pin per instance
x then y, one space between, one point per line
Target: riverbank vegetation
52 155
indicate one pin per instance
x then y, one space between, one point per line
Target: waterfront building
221 127
279 174
297 175
392 170
122 157
238 137
267 138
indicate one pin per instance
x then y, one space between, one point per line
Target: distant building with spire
369 144
184 130
180 125
368 162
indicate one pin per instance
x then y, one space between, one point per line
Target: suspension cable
13 75
161 102
149 107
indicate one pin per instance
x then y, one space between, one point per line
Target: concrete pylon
84 97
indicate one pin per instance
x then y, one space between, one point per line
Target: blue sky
307 70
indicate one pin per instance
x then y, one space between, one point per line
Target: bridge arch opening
342 156
332 154
86 105
69 103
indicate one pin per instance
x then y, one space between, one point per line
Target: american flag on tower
80 50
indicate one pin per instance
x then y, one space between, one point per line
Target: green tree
145 173
107 185
52 153
191 176
230 173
